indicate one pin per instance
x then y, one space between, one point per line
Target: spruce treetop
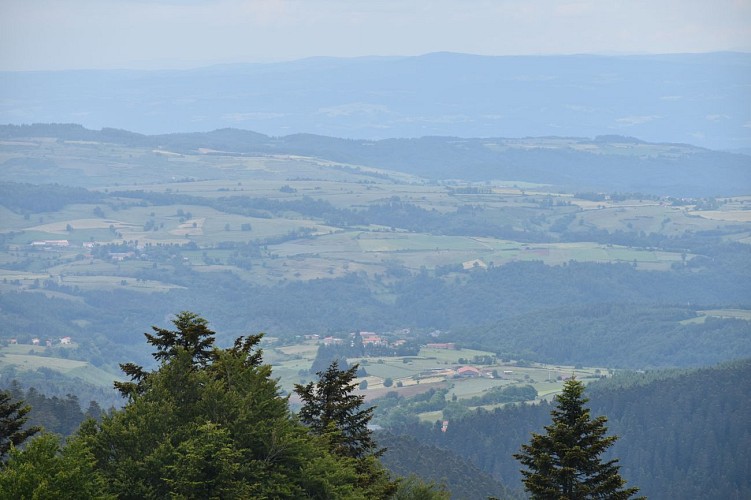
565 462
13 417
330 408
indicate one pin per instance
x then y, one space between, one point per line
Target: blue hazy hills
701 99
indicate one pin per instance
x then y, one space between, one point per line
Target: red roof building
467 371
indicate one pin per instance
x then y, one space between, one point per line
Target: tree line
206 423
684 433
211 423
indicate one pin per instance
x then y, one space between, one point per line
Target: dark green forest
659 449
405 455
576 313
208 423
683 434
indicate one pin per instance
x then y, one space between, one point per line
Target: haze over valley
700 99
460 244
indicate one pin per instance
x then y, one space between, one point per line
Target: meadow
23 358
430 369
158 229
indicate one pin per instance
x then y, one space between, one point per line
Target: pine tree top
565 462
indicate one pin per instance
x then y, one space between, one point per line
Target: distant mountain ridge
610 163
696 98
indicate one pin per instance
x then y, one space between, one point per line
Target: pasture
326 251
32 359
431 368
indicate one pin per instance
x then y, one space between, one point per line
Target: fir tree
565 463
192 335
13 416
214 425
330 408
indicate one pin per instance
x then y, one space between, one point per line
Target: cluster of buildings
465 371
367 339
48 342
89 245
50 243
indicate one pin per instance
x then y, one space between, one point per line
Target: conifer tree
332 411
192 336
213 424
13 416
330 408
565 463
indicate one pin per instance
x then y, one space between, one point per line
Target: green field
162 224
431 368
327 251
28 358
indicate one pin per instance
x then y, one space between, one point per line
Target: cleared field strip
67 367
729 313
32 362
734 216
432 250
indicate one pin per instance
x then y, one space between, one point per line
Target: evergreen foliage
325 355
332 411
565 463
13 417
695 443
212 423
207 423
672 447
412 488
330 408
45 469
192 335
54 414
406 456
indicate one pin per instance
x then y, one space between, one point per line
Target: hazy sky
62 34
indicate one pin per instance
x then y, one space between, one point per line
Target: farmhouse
467 371
370 338
474 264
50 243
120 256
332 341
65 340
446 345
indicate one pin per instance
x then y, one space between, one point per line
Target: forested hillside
405 455
659 448
682 434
